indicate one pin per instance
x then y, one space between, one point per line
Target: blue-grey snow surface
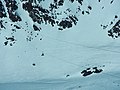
59 45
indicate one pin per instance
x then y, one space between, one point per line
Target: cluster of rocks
68 22
2 10
10 41
12 10
1 24
90 71
38 13
79 1
42 15
50 15
114 32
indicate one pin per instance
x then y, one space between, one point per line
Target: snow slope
54 59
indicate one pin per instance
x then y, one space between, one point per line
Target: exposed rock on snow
90 71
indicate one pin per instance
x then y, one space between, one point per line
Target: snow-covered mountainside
59 44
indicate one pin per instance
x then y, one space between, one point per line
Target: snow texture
59 44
